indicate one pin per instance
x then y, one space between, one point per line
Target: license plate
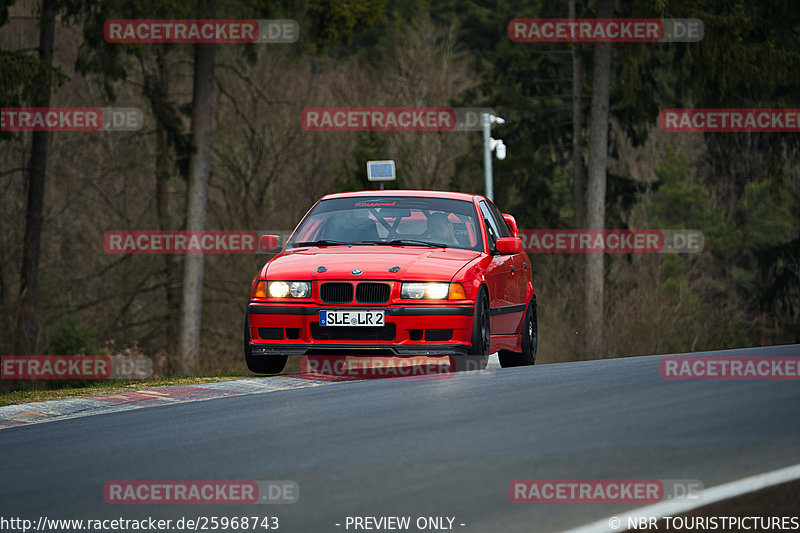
351 318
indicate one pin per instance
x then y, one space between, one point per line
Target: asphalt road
444 447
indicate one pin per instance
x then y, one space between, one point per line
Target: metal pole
487 156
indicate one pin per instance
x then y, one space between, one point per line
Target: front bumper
440 350
281 329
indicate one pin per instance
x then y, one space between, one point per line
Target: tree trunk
164 171
197 197
596 198
578 194
27 326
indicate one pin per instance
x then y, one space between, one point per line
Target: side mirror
512 224
270 243
509 245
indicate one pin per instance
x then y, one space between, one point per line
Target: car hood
416 263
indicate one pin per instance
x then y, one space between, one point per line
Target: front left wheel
263 364
481 337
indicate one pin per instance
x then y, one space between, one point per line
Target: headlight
431 291
289 289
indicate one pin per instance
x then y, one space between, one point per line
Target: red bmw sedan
398 273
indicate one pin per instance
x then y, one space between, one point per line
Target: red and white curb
33 413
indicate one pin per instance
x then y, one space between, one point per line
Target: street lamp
490 145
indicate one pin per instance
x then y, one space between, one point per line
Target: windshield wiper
321 242
408 242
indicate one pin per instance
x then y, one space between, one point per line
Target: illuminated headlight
289 289
425 291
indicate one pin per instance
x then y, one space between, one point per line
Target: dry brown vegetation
265 173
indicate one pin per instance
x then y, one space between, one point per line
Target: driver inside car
439 229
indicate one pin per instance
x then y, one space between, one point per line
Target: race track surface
442 447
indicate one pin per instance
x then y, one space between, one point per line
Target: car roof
405 192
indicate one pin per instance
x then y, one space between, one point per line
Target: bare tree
27 327
596 199
578 194
157 86
196 203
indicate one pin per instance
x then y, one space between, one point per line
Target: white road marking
707 496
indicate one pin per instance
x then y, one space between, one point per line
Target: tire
530 341
261 364
481 337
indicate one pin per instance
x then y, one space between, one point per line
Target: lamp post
490 145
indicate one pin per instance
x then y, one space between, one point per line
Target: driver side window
499 221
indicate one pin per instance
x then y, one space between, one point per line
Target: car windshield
409 221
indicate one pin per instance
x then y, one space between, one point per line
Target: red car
395 273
